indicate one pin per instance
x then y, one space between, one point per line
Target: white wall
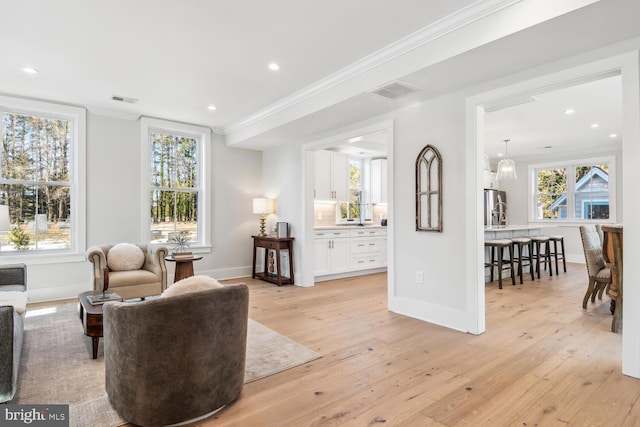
282 181
113 208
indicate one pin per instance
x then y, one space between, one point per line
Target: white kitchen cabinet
379 181
345 250
331 252
366 248
331 175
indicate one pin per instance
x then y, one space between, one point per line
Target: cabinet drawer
367 232
364 244
364 261
331 234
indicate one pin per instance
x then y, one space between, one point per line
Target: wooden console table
276 244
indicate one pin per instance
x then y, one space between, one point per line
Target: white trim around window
570 165
204 177
78 180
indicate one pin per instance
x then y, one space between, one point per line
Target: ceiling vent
124 99
395 89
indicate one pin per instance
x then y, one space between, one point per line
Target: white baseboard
349 274
443 316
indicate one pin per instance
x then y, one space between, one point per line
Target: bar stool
558 255
545 257
497 247
522 259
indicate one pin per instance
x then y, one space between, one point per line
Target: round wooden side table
184 266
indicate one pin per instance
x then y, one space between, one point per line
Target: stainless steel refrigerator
495 208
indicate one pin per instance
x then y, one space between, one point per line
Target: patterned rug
56 365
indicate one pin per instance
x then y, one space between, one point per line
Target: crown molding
451 23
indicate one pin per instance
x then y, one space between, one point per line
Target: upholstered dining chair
183 360
599 274
135 270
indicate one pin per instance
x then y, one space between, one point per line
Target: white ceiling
178 57
540 127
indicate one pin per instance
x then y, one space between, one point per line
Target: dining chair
599 274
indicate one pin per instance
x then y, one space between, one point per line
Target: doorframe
628 66
308 264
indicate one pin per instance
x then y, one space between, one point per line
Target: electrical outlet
419 277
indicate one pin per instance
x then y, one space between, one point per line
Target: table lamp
262 207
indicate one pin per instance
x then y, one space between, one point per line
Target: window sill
42 258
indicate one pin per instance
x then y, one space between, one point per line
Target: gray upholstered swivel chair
183 357
148 280
599 274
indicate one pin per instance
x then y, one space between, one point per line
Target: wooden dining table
612 252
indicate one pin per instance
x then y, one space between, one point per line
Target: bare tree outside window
174 186
35 181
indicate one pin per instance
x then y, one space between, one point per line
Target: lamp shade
5 222
262 206
506 170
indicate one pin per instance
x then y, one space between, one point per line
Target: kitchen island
510 231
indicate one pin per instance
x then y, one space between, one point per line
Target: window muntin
578 190
36 181
349 210
174 181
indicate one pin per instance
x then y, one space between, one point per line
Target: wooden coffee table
91 318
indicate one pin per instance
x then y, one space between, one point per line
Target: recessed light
274 67
595 125
212 107
499 154
613 135
569 111
356 139
30 70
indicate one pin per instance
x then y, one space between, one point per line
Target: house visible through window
174 180
36 181
574 191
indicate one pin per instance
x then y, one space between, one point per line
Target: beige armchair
599 274
150 279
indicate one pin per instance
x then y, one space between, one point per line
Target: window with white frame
41 178
578 190
351 210
176 183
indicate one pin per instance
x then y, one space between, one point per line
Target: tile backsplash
324 213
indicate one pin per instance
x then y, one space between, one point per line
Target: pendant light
506 167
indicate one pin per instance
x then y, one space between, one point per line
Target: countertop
516 227
348 227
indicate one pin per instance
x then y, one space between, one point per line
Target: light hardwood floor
544 361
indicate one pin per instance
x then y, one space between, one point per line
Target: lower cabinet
331 252
347 250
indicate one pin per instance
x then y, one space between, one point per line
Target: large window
177 198
39 178
580 190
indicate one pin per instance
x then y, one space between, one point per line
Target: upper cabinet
379 181
331 175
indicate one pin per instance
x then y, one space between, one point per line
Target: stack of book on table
182 255
103 297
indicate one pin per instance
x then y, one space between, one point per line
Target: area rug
56 364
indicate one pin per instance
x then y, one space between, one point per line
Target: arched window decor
429 190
